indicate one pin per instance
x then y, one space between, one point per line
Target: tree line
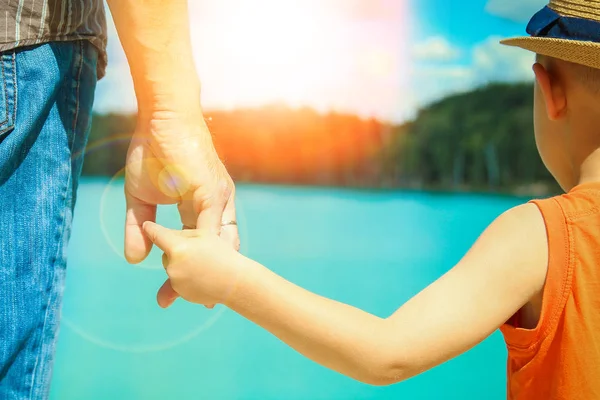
480 140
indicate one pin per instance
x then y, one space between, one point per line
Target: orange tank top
560 358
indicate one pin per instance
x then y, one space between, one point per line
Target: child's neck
583 141
589 169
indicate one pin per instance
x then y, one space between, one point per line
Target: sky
375 58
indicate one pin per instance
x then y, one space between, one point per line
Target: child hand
202 267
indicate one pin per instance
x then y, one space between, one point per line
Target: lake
373 250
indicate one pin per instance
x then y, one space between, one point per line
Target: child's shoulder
524 217
579 204
519 233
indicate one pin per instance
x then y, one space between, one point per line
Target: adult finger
211 207
137 245
166 295
230 231
187 213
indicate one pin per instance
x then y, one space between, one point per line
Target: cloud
515 10
332 63
489 61
435 82
495 62
435 49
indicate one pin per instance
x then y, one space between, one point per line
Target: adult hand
172 160
202 267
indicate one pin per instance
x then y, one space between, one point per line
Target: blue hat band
548 23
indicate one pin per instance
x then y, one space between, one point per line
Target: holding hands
202 267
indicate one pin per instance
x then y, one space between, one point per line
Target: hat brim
578 52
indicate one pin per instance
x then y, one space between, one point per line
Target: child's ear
552 90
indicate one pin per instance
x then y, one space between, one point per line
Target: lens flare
98 341
172 181
111 213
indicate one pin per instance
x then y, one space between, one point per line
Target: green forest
476 141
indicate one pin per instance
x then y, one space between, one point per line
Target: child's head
566 116
566 36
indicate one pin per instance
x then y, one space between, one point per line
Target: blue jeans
46 96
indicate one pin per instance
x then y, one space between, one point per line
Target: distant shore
476 142
528 191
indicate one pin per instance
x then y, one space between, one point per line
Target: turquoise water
373 250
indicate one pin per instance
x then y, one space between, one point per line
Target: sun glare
328 54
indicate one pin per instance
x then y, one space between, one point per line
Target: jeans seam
7 124
61 230
15 89
5 90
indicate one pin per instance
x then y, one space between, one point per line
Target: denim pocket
8 92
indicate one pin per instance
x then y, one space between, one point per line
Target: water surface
373 250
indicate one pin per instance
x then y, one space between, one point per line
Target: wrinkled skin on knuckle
215 194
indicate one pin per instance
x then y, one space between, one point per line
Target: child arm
501 272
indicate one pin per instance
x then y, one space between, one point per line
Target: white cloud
452 72
425 82
515 10
490 62
495 62
379 74
435 49
432 83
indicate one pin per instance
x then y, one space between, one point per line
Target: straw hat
565 29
